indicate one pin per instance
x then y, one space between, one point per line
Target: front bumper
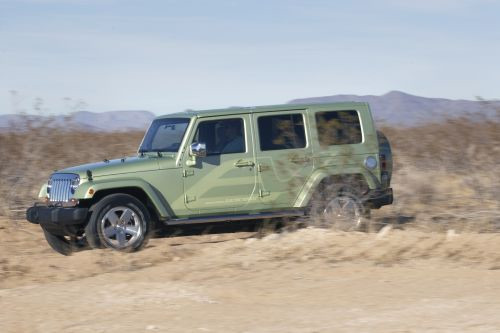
378 198
56 216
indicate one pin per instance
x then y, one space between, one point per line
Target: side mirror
198 149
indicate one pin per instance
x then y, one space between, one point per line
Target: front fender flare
153 194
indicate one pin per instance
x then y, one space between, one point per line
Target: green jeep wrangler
323 161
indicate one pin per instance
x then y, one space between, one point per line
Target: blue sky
164 56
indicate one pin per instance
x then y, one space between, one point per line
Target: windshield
164 135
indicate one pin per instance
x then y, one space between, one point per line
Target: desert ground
397 279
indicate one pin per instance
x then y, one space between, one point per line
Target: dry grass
446 175
31 152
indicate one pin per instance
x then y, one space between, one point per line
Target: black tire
65 245
321 214
99 230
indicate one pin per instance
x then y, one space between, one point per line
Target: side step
236 217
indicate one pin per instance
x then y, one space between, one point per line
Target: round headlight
75 182
370 162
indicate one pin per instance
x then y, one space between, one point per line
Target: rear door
345 138
283 155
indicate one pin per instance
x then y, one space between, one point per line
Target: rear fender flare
319 175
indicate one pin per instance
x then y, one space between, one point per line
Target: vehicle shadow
260 228
247 229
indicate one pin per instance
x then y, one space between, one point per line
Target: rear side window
281 132
338 128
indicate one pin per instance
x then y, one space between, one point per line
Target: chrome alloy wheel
344 212
121 227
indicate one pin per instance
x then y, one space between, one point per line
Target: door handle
241 164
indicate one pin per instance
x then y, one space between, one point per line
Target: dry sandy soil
310 280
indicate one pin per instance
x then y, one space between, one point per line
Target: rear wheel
344 212
120 222
338 209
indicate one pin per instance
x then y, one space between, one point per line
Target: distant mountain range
110 121
393 108
399 108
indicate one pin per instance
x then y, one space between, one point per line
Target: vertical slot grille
61 187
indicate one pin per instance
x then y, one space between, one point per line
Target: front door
224 180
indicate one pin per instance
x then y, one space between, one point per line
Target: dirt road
309 280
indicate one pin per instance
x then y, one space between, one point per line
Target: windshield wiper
158 152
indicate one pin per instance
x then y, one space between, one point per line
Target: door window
225 136
281 132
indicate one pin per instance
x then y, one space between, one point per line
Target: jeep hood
120 166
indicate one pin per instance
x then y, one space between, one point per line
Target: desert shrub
448 172
30 152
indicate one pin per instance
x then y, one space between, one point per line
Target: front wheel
65 245
120 222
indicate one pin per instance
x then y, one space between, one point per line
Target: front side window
164 135
281 132
338 127
224 136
